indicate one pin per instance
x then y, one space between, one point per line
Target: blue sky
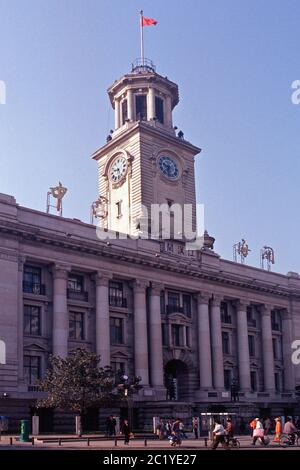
234 62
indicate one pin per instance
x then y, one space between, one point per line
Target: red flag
148 21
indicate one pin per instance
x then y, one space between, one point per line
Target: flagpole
142 37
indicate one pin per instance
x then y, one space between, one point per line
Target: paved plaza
69 442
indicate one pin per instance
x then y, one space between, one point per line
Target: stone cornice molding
167 263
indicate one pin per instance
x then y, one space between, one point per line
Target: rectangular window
141 107
253 380
32 369
32 280
32 320
225 342
159 109
75 283
164 334
277 378
174 299
251 317
116 296
118 368
116 330
227 379
275 349
76 325
251 343
225 317
187 304
177 335
275 320
162 303
187 335
124 111
119 209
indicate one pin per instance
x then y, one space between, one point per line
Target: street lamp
130 386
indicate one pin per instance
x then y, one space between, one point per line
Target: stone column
287 339
60 332
216 343
140 332
267 349
168 111
117 114
151 103
102 319
21 261
155 346
204 346
130 104
243 347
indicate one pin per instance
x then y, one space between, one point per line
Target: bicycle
290 439
234 442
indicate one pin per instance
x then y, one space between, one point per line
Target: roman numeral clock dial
118 169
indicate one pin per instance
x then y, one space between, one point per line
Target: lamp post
130 386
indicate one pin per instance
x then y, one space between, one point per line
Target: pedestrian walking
195 427
219 436
126 431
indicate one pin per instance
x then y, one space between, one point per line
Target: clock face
118 169
168 167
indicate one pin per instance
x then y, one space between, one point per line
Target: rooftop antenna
56 192
241 249
267 257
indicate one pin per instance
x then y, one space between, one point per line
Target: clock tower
144 161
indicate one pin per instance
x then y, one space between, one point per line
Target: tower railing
142 65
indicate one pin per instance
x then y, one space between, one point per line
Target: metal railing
34 288
77 295
142 65
115 301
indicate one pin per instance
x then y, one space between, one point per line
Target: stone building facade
189 323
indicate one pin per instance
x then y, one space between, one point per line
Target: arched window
2 352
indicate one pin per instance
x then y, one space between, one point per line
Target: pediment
35 347
119 354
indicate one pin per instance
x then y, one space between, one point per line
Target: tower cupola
143 95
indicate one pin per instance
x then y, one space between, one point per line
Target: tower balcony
143 66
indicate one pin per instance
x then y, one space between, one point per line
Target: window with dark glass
118 368
227 379
164 334
277 378
141 107
177 335
76 325
32 320
275 348
32 369
173 302
225 342
159 109
251 343
162 303
116 330
187 336
116 296
32 280
251 317
275 320
253 380
187 304
124 111
75 283
225 317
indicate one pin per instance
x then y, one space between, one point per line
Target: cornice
167 263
